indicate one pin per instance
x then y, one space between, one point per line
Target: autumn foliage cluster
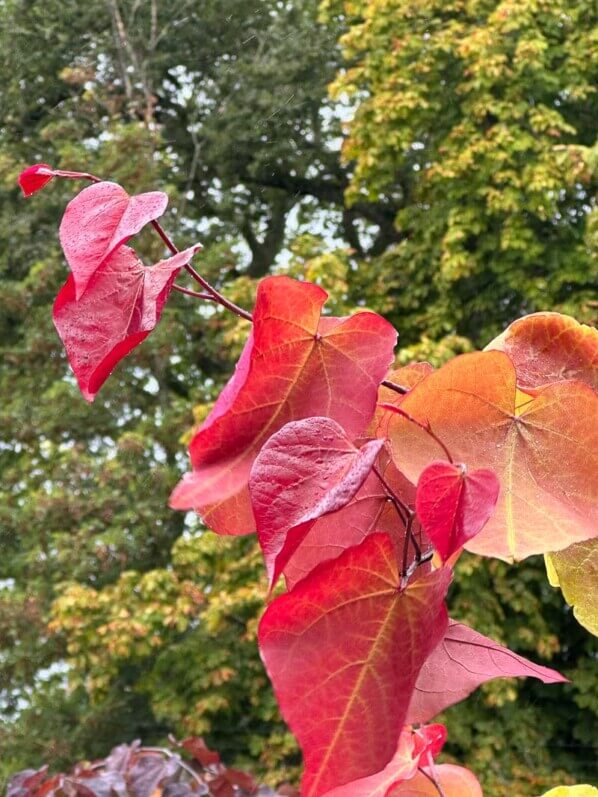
363 482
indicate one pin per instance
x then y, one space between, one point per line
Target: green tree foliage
120 618
478 119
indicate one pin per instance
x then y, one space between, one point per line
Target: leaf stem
425 426
393 386
195 294
408 537
404 511
433 780
215 295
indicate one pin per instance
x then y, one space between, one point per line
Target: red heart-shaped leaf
98 220
343 650
121 306
295 365
307 469
453 505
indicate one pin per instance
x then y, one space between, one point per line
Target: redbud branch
211 295
424 426
215 295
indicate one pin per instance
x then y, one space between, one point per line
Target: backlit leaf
98 220
454 781
454 504
35 177
550 347
307 469
575 571
343 650
459 664
294 366
543 448
121 306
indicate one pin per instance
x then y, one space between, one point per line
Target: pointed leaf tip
463 661
121 306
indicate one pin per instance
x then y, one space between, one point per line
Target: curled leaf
121 306
34 178
306 470
98 220
368 511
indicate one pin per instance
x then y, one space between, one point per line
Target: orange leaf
543 449
454 781
550 347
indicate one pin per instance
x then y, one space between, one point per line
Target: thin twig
216 295
196 294
404 511
404 577
393 386
425 427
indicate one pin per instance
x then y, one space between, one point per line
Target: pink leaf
98 220
121 306
412 748
295 365
453 505
35 177
343 650
464 660
306 470
368 511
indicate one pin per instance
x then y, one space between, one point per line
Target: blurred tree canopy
448 182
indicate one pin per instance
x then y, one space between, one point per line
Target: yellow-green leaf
575 571
572 791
